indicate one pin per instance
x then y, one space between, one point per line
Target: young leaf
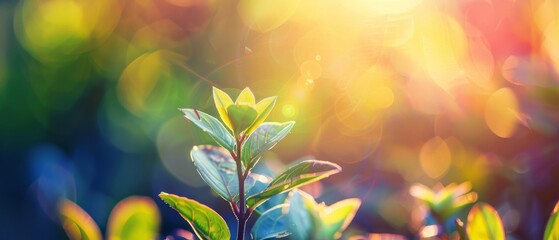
212 126
241 117
335 218
484 223
263 108
302 173
134 218
207 224
300 215
77 223
262 140
222 102
552 229
272 224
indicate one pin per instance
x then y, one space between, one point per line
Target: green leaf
272 224
207 224
77 223
552 229
300 174
335 218
484 223
241 117
134 218
300 215
262 140
212 126
264 107
218 169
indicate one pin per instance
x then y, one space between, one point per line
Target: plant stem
242 217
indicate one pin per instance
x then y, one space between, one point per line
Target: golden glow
501 113
435 157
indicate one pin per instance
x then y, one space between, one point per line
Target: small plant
243 138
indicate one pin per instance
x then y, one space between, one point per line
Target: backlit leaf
262 140
263 108
212 126
207 224
484 223
134 218
77 223
300 215
302 173
552 229
272 224
218 169
222 102
241 117
336 218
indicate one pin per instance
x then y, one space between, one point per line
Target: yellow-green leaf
222 102
207 224
552 229
246 97
134 218
484 223
77 223
337 217
263 108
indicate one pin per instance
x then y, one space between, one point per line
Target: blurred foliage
397 92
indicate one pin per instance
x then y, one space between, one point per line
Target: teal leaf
262 140
212 126
272 224
300 174
273 201
207 224
552 229
218 169
299 216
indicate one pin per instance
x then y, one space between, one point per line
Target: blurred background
395 91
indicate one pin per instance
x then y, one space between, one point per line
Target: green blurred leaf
241 117
272 224
484 223
300 215
218 169
335 218
134 218
77 223
302 173
212 126
262 140
207 224
552 229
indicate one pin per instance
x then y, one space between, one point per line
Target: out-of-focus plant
304 218
552 229
483 223
227 169
443 203
131 218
